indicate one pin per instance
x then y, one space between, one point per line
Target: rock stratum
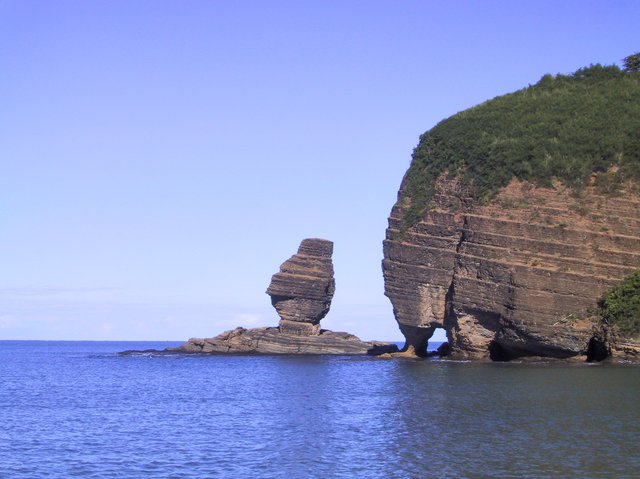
301 292
275 341
514 278
516 215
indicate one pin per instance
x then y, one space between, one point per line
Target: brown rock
385 356
509 279
274 341
302 290
301 293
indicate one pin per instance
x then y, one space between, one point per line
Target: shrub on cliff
565 127
621 306
632 62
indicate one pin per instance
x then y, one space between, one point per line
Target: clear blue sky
160 159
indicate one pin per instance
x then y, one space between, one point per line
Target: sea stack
301 292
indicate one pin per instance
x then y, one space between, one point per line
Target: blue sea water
77 409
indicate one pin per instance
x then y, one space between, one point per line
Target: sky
159 160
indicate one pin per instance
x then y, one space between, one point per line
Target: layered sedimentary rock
517 277
276 341
301 292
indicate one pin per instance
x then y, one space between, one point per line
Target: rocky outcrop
301 292
515 278
607 342
276 341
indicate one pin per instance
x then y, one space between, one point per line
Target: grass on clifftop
621 306
565 127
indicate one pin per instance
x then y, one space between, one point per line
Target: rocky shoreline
275 341
301 293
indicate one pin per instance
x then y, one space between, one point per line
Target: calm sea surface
77 409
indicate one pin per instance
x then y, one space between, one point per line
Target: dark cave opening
597 350
497 352
500 353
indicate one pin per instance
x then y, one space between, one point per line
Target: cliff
509 248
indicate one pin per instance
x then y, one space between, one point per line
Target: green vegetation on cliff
621 306
565 127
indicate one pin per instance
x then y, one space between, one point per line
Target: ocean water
77 409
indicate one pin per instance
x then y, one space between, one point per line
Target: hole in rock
597 350
498 353
437 344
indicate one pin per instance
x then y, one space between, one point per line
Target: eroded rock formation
275 341
301 292
514 278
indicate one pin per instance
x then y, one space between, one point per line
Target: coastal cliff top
564 128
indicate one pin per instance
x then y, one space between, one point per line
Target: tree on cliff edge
632 63
621 305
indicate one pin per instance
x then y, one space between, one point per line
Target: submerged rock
301 292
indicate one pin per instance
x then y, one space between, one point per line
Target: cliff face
511 278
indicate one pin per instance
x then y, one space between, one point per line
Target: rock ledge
274 341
